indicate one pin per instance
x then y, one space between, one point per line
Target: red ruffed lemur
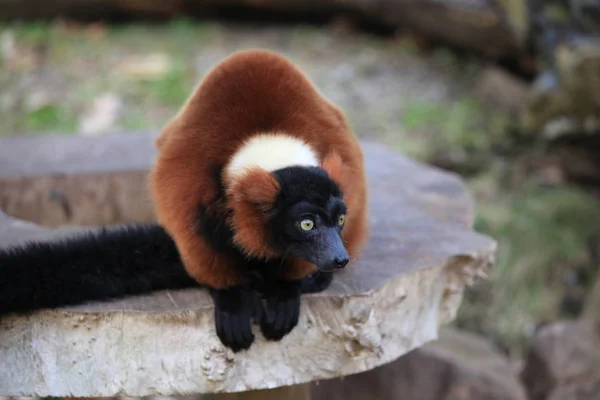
260 193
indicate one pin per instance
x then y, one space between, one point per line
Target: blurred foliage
460 134
458 124
557 12
543 236
64 67
49 117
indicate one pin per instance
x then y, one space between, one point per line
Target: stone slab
457 366
421 254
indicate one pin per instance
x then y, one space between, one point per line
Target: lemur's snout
341 262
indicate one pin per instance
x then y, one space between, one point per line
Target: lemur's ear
250 198
334 166
257 187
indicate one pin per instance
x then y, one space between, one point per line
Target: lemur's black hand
282 309
316 282
234 309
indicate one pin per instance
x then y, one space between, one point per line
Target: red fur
297 268
250 92
250 198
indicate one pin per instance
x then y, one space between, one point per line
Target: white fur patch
271 152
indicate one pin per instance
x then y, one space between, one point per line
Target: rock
101 180
148 67
566 97
517 16
563 362
577 156
475 25
102 115
408 281
458 366
587 14
38 98
56 180
571 159
8 48
499 89
591 307
14 57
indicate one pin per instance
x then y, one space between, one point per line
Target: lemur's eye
341 219
307 224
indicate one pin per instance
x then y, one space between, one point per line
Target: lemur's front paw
316 282
234 309
282 310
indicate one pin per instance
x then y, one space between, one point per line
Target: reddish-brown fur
248 93
250 197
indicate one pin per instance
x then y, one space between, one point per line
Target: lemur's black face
308 217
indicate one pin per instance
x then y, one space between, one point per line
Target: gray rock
54 180
563 362
458 366
501 90
565 98
591 308
409 280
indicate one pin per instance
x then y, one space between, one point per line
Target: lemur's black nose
341 262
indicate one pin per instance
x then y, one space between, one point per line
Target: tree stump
421 254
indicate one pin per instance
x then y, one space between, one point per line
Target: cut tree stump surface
421 254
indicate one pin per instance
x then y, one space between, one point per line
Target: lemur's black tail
97 265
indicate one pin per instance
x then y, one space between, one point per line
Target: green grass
542 236
29 32
461 130
81 63
445 57
172 88
455 124
304 33
419 115
49 118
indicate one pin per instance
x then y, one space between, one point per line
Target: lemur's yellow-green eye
341 219
307 224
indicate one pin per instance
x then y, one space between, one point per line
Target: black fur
99 265
234 310
118 261
310 184
218 234
213 226
133 259
282 308
271 302
316 282
304 191
309 193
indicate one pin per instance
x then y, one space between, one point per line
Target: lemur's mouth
335 265
332 254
